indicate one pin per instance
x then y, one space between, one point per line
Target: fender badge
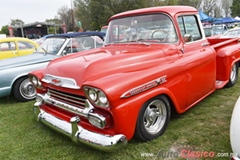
145 87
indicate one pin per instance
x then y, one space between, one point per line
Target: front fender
125 115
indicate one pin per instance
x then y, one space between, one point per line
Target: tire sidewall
233 82
16 90
140 131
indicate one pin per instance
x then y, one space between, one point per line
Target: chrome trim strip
83 112
60 81
144 87
66 97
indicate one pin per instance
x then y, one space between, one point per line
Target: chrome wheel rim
155 116
233 72
27 90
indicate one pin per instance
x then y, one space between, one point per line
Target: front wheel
233 75
23 90
153 118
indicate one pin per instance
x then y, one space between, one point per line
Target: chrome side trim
144 87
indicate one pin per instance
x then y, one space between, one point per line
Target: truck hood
101 62
26 60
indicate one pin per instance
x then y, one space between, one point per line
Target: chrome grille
74 100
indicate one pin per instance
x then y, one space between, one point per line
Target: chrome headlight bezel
96 96
93 95
36 81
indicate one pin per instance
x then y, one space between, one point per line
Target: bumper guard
78 134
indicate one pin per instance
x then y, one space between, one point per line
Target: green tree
226 7
235 8
16 22
95 13
54 21
65 16
4 30
54 25
217 12
82 13
172 2
208 6
193 3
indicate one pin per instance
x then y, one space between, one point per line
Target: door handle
205 44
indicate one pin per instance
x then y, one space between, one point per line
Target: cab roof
171 10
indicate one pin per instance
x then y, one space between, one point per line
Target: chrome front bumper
78 134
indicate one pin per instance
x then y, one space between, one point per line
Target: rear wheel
23 90
153 118
233 75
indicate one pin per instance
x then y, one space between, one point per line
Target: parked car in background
219 29
40 40
16 46
104 29
208 31
235 131
232 33
15 70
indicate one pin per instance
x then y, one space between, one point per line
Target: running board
220 84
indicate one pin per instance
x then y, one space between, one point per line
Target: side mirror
187 37
64 52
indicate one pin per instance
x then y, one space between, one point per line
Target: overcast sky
30 11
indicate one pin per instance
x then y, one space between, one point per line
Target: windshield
231 34
219 29
155 28
81 43
51 45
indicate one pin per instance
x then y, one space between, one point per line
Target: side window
73 46
25 45
189 25
7 46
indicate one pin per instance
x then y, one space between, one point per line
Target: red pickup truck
129 87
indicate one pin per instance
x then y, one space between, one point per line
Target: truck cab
158 61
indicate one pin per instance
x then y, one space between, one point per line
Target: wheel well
16 81
173 108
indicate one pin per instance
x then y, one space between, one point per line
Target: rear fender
226 57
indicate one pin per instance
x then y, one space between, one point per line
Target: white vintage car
235 131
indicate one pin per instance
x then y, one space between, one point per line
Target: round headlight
34 81
39 84
92 94
102 97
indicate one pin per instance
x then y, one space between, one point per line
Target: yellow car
16 46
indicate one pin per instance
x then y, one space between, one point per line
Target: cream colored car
235 131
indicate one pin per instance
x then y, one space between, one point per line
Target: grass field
200 132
